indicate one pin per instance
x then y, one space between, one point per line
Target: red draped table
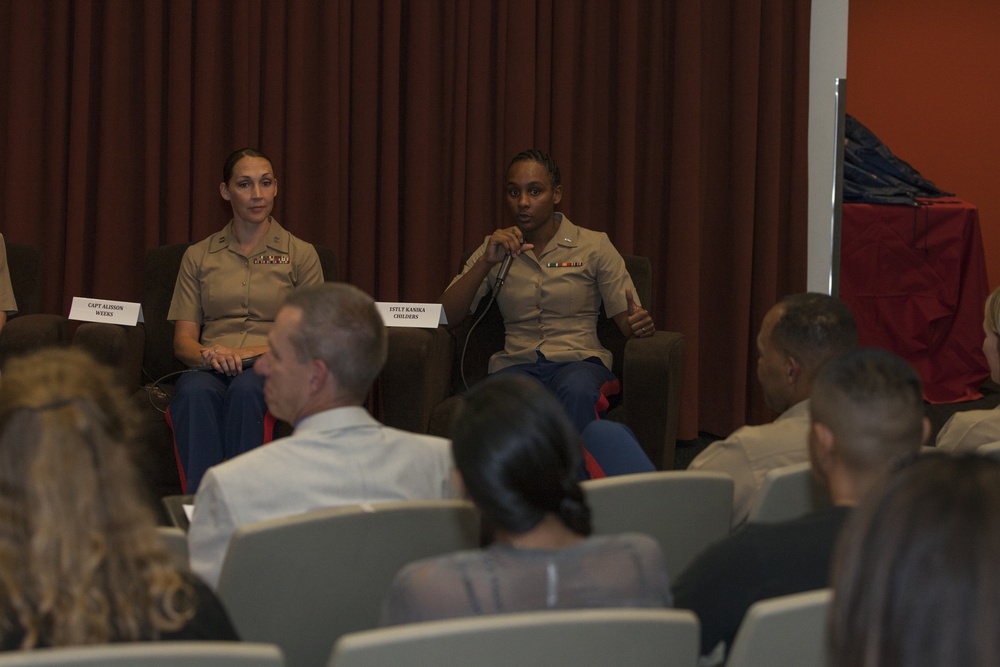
915 279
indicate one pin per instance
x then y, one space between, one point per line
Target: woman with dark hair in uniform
228 291
559 276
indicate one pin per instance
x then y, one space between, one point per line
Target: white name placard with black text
86 309
422 315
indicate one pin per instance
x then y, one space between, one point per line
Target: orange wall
924 76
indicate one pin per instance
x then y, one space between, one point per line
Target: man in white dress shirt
326 348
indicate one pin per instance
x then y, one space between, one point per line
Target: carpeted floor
938 414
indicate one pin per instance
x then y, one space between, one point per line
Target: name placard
421 315
86 309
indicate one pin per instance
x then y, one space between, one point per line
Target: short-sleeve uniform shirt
235 298
7 302
550 303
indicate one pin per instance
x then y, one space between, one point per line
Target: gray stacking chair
150 654
301 582
685 511
620 637
176 540
787 631
788 493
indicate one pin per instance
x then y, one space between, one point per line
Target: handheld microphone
504 269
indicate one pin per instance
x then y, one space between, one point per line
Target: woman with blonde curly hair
80 558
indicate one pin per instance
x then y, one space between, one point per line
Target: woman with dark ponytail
518 457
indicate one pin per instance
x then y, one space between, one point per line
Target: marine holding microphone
559 275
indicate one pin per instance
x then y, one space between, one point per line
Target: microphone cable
501 278
154 388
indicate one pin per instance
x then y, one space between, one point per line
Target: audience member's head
80 559
916 580
866 412
991 329
326 348
519 456
797 336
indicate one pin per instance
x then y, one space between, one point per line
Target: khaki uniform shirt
235 298
7 302
751 451
550 303
969 430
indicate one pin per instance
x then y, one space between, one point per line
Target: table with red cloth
915 279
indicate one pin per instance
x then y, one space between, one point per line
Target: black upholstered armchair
29 329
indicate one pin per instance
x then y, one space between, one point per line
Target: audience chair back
787 631
685 511
150 654
174 506
620 637
788 493
302 581
176 541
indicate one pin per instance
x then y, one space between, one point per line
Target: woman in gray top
518 458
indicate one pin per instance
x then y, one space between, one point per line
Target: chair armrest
116 345
416 377
651 393
26 333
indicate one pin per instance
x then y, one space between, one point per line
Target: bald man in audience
326 348
866 413
797 336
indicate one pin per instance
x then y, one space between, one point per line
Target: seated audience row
70 489
797 337
769 560
866 412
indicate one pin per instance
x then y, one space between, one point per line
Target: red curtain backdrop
680 128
